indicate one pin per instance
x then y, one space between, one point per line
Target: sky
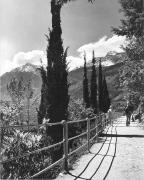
85 26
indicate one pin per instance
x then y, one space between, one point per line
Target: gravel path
119 155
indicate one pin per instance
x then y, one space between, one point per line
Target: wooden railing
100 122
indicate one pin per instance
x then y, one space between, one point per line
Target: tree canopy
85 85
93 86
133 23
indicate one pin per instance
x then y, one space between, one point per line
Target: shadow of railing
123 135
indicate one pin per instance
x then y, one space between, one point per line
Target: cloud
6 66
101 48
32 57
74 62
22 58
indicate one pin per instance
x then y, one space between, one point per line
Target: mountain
29 71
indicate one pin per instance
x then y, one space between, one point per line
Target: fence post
104 125
0 151
88 133
96 120
65 145
105 120
95 126
100 122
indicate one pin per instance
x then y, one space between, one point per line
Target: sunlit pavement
119 155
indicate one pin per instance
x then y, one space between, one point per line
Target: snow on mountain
28 67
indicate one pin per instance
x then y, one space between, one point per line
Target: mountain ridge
75 77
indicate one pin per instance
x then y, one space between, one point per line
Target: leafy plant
16 90
23 167
86 98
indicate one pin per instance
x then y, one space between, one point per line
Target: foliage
93 86
29 92
57 85
132 25
105 99
131 74
66 1
43 102
78 111
55 77
100 87
17 145
16 90
85 86
23 97
10 114
54 93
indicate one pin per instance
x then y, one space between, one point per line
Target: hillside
111 73
29 71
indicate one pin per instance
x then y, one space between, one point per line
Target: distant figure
128 112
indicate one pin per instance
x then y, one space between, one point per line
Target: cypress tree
100 87
54 97
105 99
57 85
93 87
43 102
85 86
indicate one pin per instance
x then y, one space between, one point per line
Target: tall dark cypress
93 86
100 87
56 84
85 86
105 99
43 103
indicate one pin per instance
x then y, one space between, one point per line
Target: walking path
118 155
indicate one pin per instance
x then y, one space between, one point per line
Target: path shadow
123 135
102 154
77 176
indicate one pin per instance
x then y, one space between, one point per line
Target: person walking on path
128 112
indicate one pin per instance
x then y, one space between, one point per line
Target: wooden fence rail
100 122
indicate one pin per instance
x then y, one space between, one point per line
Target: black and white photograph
72 89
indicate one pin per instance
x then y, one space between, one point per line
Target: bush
26 166
77 111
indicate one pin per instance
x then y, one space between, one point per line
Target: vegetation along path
118 155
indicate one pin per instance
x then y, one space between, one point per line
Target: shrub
77 111
24 167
